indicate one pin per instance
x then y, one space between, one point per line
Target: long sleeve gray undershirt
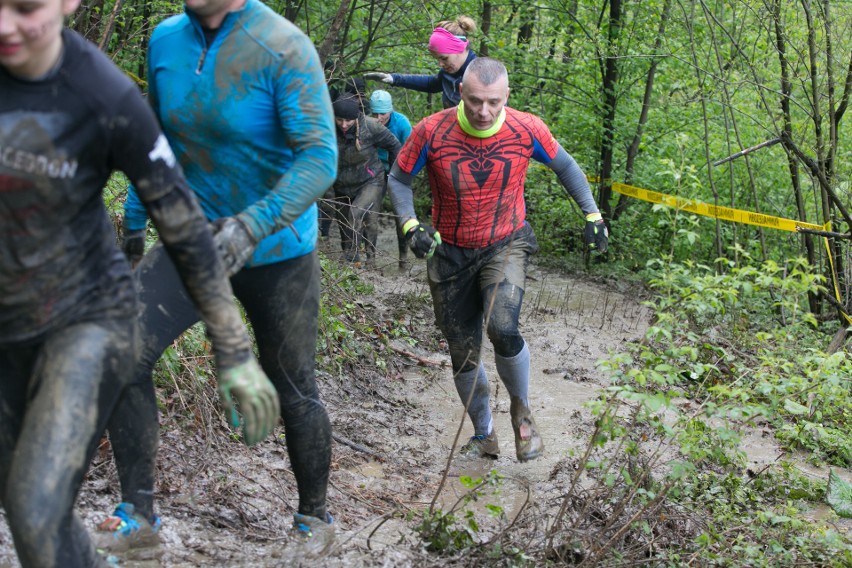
573 180
402 198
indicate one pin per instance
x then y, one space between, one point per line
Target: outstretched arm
595 233
422 239
422 83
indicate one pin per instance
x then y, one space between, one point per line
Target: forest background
749 322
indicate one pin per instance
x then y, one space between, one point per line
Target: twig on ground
357 447
420 360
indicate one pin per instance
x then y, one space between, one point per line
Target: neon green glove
256 397
596 234
423 239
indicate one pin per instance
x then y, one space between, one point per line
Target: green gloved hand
256 397
423 239
596 234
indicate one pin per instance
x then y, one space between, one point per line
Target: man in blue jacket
241 96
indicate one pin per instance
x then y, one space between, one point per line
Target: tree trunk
792 164
88 21
610 80
327 46
292 8
375 23
486 28
633 150
107 33
143 44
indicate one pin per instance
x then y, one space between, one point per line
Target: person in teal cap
381 104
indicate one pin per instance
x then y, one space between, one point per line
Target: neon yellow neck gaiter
468 129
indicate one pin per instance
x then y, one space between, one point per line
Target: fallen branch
420 360
357 447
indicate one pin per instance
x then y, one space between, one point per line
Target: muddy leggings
282 303
55 397
473 286
461 324
356 212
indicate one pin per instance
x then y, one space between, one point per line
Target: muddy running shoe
316 535
482 446
125 530
528 443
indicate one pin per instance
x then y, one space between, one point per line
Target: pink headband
443 41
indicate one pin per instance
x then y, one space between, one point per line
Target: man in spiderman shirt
476 156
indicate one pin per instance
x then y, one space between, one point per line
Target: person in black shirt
68 118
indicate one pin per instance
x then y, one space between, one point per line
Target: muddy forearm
189 242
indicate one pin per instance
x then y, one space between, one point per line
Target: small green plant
458 529
442 532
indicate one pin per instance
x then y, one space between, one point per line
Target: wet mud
225 505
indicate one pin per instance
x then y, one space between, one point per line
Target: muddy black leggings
282 303
55 398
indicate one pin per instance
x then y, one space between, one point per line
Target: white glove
379 76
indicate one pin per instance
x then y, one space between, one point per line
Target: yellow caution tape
734 215
834 282
716 211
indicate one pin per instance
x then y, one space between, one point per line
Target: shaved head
486 70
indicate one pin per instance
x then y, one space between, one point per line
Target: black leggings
55 398
282 303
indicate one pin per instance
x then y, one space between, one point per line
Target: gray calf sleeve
473 385
515 373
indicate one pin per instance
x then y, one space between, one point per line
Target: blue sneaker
124 530
316 535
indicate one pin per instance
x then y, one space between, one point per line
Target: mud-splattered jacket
445 83
60 139
359 160
250 120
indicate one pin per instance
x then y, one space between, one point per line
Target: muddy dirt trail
224 505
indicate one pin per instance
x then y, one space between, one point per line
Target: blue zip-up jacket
400 127
445 83
250 120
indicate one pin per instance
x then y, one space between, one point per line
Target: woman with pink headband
448 44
